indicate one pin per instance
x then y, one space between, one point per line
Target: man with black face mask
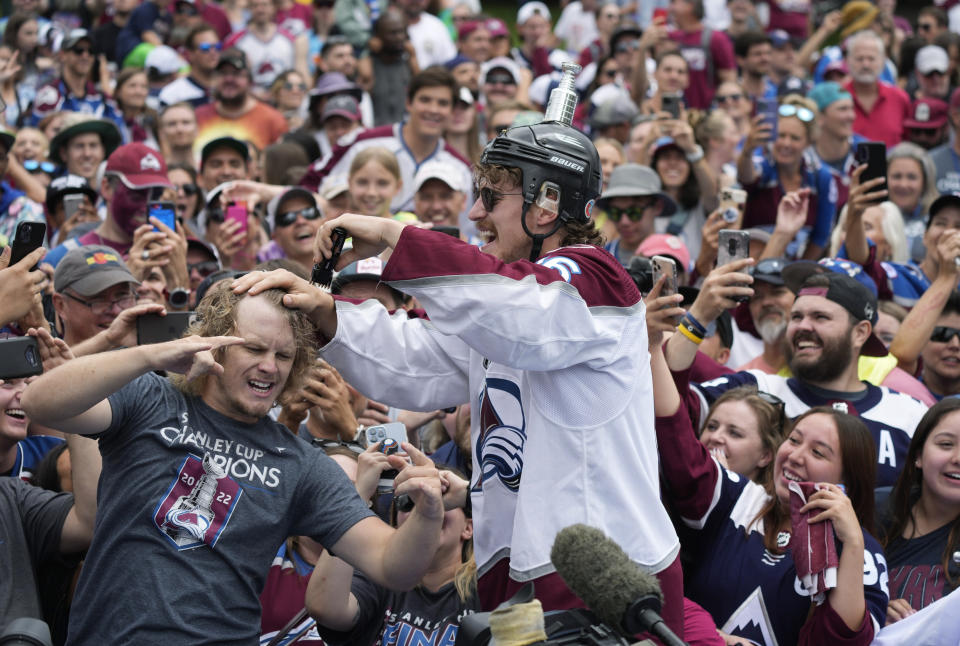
135 174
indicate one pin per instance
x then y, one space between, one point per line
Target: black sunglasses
500 79
80 51
204 268
490 198
633 213
943 334
288 218
188 189
778 404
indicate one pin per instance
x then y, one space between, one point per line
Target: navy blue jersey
748 590
30 451
890 416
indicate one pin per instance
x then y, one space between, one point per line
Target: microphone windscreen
598 571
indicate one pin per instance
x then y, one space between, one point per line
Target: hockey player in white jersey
543 332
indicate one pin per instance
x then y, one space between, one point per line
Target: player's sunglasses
490 198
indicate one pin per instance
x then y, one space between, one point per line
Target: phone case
237 213
28 237
19 358
165 212
874 155
153 328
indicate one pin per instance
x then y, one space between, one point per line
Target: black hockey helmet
555 152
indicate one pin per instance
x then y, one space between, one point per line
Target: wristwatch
178 298
696 155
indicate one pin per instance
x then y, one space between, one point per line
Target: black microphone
598 571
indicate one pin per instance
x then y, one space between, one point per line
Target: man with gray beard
769 311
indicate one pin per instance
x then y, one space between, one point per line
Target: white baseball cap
531 9
446 173
932 58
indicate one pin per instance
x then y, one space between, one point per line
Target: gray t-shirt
193 506
947 163
31 521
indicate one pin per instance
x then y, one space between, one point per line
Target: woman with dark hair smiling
923 528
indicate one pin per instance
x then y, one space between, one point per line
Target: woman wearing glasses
922 531
731 98
782 167
738 531
287 94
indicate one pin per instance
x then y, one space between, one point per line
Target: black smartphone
874 155
28 237
450 231
166 212
733 245
19 357
154 328
671 103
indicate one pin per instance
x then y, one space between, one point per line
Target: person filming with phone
770 172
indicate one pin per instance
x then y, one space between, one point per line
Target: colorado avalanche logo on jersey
565 266
499 447
198 505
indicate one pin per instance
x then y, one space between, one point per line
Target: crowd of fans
831 354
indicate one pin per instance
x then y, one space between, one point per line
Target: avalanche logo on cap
101 258
922 113
868 312
150 162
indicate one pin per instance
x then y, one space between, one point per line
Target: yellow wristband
687 333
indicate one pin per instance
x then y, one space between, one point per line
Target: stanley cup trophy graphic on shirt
189 518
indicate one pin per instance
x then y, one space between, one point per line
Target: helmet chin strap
537 238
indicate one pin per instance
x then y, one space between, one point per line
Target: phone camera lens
30 354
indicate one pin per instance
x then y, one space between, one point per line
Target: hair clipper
323 271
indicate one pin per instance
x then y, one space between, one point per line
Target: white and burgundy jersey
890 416
552 357
267 59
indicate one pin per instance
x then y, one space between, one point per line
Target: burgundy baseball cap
926 114
497 28
138 166
468 27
